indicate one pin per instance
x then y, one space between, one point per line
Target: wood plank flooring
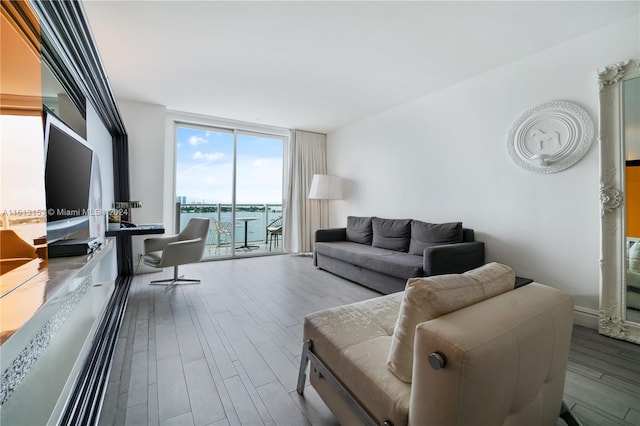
226 352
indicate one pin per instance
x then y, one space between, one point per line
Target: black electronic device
72 247
69 165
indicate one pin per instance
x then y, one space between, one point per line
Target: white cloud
196 140
210 182
209 156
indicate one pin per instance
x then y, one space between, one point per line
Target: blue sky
205 167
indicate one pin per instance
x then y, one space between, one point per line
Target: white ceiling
320 65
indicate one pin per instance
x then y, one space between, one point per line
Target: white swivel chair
185 247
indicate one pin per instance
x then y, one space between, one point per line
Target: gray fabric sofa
383 253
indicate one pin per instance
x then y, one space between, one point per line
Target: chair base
225 244
569 418
176 280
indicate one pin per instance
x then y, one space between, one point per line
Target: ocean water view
259 215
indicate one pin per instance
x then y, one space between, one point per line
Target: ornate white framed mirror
619 96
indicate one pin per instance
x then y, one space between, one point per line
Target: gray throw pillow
391 234
425 235
359 229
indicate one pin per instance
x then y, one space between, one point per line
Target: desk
246 221
123 244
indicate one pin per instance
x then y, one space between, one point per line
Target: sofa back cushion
430 297
425 235
391 234
359 229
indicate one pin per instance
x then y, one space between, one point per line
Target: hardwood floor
226 352
603 379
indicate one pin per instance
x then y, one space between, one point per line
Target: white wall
443 158
145 124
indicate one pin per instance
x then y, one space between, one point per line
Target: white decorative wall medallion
550 137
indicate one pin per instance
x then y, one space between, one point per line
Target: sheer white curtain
306 155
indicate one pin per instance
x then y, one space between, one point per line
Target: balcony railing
264 214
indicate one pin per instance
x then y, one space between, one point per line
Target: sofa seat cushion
353 341
393 263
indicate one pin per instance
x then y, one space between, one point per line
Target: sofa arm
452 258
331 234
327 236
506 358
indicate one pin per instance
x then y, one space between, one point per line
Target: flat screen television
68 165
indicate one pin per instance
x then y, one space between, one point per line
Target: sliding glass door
233 177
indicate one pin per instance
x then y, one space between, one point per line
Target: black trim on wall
68 49
121 167
68 44
85 401
632 163
60 71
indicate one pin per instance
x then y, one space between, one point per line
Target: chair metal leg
304 361
569 418
317 367
271 240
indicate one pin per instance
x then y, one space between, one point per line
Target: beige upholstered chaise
463 349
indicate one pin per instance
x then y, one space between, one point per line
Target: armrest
182 252
157 244
453 258
327 236
331 234
493 367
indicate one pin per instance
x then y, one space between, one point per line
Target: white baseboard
585 317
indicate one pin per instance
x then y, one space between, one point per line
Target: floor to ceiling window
233 177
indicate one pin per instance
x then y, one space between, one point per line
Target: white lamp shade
325 187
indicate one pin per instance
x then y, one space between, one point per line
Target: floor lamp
325 187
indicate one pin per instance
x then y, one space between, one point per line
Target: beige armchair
185 247
460 349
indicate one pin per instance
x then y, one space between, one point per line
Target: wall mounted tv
67 179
